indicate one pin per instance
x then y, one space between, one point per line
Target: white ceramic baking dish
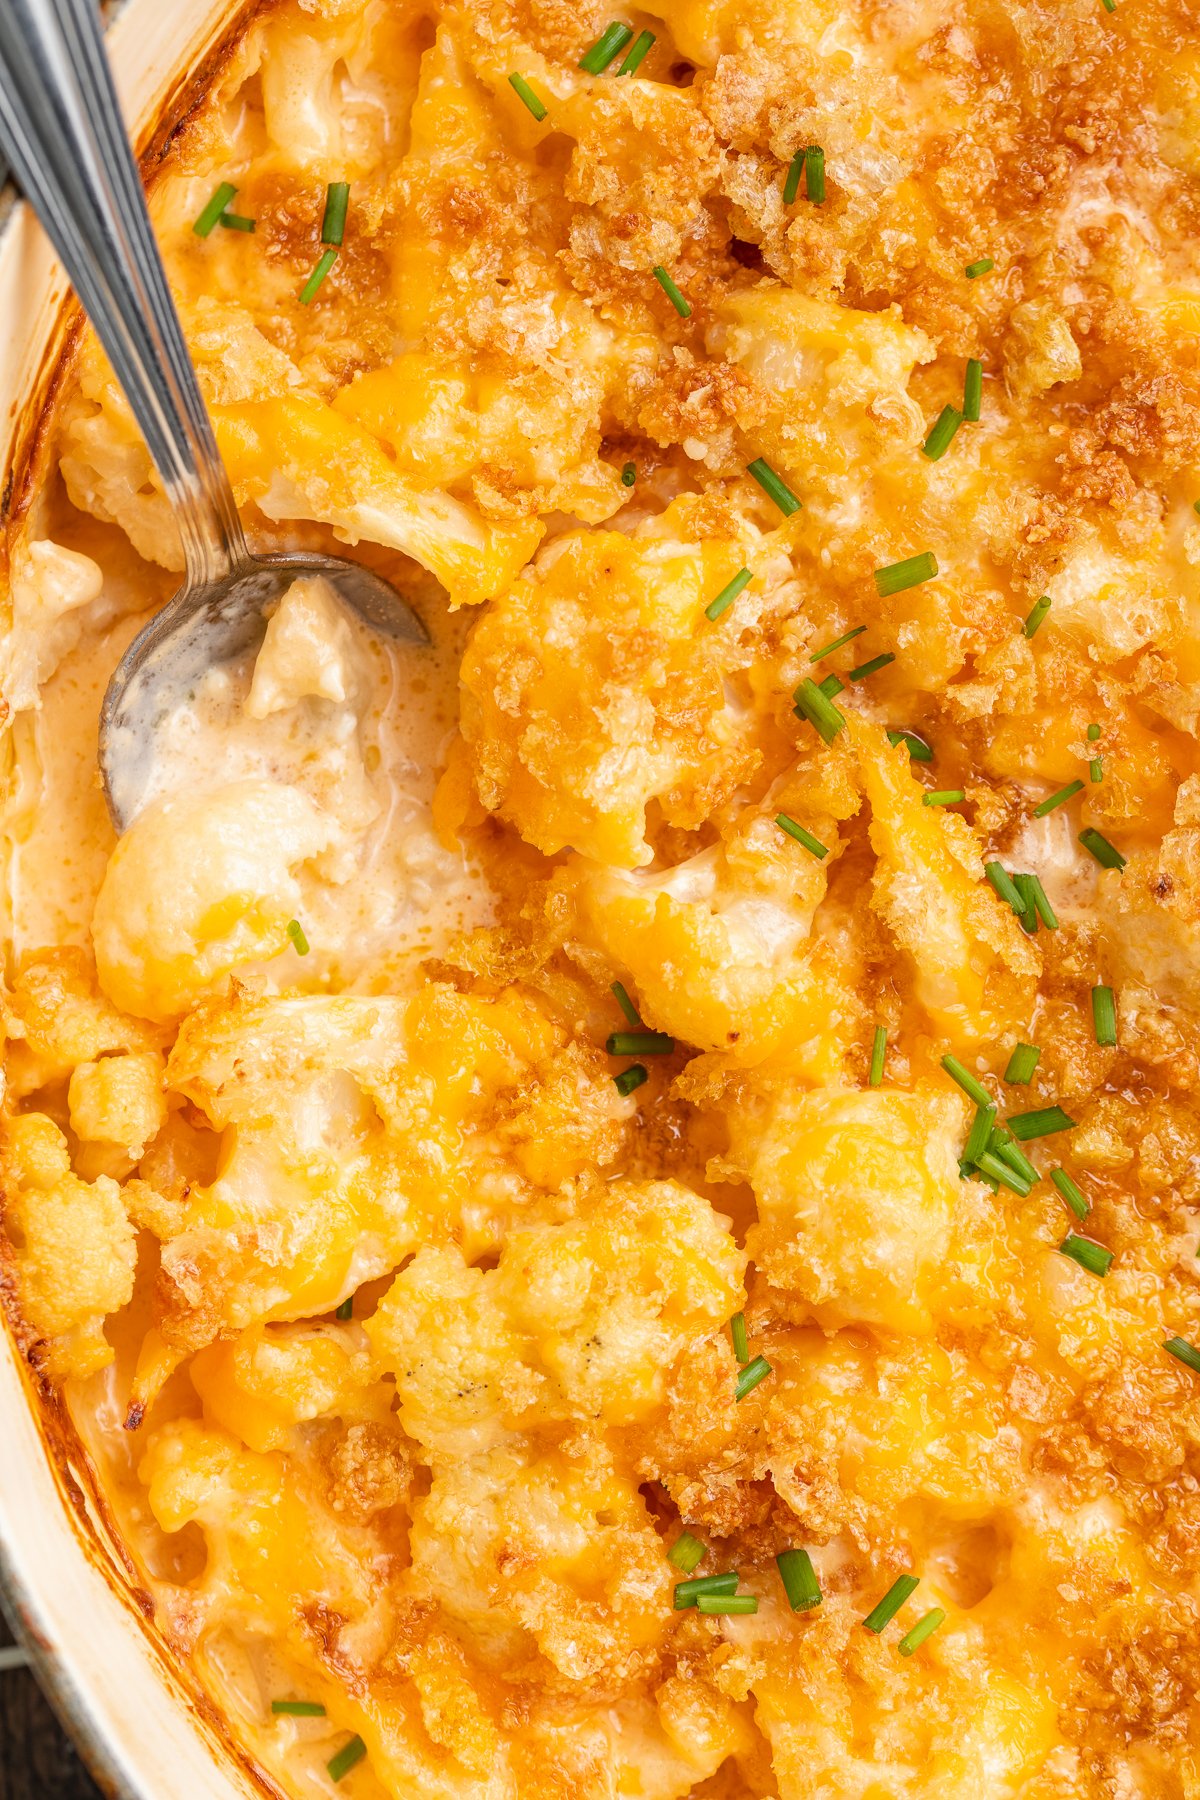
144 1733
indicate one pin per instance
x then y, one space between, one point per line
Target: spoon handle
62 130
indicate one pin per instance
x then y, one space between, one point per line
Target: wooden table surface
37 1761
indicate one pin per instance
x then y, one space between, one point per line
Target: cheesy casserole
614 1203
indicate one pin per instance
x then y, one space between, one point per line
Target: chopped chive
831 687
972 391
337 200
1096 768
814 174
1110 6
799 1579
324 264
943 797
941 434
980 1134
1185 1352
638 52
989 1163
625 1003
295 931
892 1601
671 291
629 475
346 1759
924 1628
1054 801
630 1078
610 43
216 206
895 577
716 1604
298 1709
686 1553
970 1085
739 1339
346 1309
1037 614
1040 902
1021 1064
983 267
813 845
688 1592
872 668
1104 1016
525 93
1090 1256
1070 1193
828 649
751 1375
918 749
773 485
1093 732
1029 910
1002 1145
791 186
1043 1122
878 1054
728 594
639 1043
236 222
1097 845
815 705
1001 882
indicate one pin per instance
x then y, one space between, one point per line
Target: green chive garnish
625 1003
1002 1145
1029 911
1054 801
1044 1122
815 705
346 1309
296 932
813 845
688 1592
799 1580
751 1375
814 174
773 485
1004 887
1041 905
298 1709
1090 1256
970 1085
972 391
639 1043
791 186
1003 1173
216 206
878 1053
630 1078
983 267
1186 1353
1096 768
716 1604
346 1759
686 1553
828 649
1040 609
1021 1064
1110 6
943 797
1104 1016
892 1601
525 93
895 577
638 52
629 475
671 291
236 222
918 749
739 1339
924 1628
980 1134
728 594
1106 854
610 43
1070 1193
871 668
324 264
831 687
1093 732
941 434
337 199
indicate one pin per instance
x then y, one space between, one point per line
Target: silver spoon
62 131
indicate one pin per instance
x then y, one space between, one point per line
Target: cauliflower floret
272 1377
56 1018
49 587
308 650
199 885
119 1101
